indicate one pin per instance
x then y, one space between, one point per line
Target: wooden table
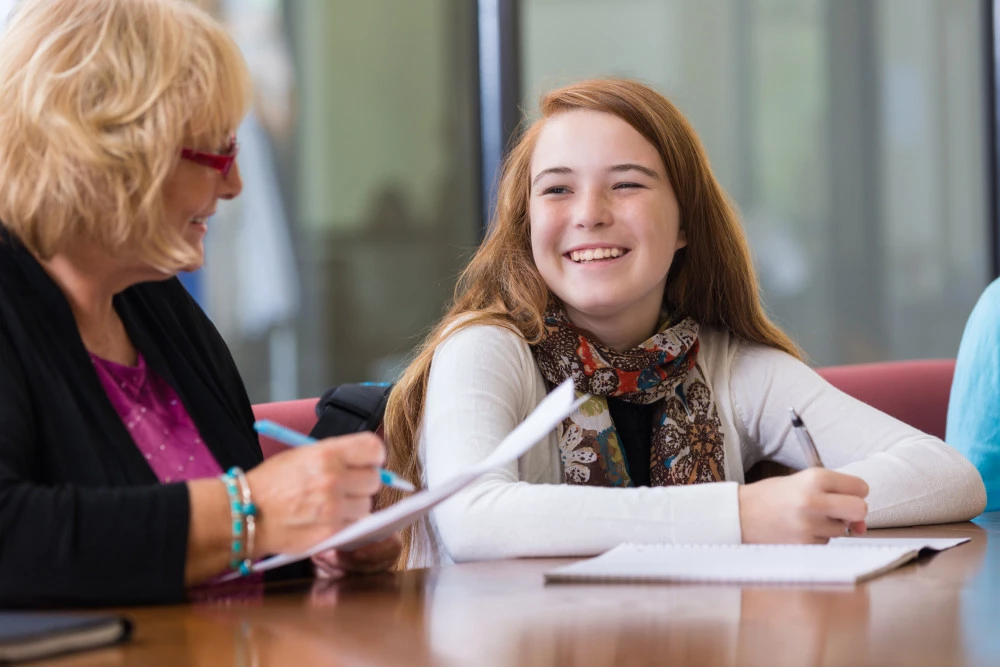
940 610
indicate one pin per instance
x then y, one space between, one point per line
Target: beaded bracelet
249 519
237 515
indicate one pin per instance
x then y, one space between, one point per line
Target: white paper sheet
735 563
844 560
550 412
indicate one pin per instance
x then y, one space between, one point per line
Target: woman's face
604 219
190 196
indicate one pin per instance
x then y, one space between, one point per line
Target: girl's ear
682 240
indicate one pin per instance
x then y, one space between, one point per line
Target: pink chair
299 415
915 392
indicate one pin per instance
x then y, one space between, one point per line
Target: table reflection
911 616
326 623
939 610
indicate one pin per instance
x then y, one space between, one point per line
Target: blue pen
295 439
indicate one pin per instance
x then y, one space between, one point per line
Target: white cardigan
484 381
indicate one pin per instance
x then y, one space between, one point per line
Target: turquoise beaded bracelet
243 515
236 514
249 520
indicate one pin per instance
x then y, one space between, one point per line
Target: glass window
361 197
850 134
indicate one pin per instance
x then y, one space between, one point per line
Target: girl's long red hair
712 279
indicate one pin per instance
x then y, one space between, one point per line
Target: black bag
351 408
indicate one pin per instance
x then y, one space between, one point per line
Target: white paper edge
543 419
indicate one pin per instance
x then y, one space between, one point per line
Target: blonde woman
129 468
615 258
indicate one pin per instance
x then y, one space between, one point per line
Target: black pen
809 449
808 446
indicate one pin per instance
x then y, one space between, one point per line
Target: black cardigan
83 518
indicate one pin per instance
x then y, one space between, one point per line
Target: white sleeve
913 478
482 383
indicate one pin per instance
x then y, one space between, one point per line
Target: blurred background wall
854 136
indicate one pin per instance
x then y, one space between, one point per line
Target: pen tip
796 420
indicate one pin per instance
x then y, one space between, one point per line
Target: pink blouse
157 421
167 436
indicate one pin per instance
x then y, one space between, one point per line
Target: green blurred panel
387 177
377 107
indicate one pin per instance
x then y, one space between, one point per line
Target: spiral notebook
842 561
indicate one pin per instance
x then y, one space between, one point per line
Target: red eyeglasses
221 162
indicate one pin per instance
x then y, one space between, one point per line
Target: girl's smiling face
605 223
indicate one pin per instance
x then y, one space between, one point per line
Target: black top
634 423
83 518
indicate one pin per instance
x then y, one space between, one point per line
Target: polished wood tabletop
943 609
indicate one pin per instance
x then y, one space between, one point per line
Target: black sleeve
222 359
69 545
207 339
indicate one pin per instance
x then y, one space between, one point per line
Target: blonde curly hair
97 97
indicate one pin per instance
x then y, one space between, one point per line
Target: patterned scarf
687 441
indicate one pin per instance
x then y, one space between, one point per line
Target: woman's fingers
375 557
327 564
351 463
356 483
307 494
352 509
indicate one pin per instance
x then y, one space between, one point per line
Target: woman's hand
808 507
369 559
305 495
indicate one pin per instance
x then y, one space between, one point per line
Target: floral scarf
687 441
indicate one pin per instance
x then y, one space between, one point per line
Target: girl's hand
808 507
